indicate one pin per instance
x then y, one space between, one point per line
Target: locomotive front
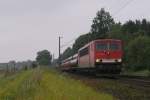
108 55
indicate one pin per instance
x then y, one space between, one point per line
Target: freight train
102 56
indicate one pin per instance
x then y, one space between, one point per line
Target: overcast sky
28 26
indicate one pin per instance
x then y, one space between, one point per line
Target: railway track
135 80
124 87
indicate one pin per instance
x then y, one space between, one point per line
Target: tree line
135 36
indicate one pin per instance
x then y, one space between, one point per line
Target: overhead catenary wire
123 7
68 43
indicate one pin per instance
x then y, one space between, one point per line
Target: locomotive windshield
101 46
114 46
107 46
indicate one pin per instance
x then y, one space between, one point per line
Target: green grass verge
45 84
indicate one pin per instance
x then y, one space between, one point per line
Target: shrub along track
122 87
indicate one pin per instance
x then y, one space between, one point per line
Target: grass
46 84
10 85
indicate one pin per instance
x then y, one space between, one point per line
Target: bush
34 65
44 57
138 53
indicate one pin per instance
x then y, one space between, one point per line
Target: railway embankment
123 87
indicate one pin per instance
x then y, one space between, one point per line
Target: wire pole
59 58
53 57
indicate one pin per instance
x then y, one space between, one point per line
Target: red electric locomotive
103 55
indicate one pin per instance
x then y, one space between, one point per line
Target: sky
29 26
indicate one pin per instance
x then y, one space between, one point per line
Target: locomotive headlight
119 60
97 60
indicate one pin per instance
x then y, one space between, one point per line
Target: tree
145 26
138 53
101 24
130 27
67 53
136 28
80 42
44 57
115 31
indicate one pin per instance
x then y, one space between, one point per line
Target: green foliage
115 31
138 53
81 41
44 57
129 27
101 24
34 64
67 53
136 28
